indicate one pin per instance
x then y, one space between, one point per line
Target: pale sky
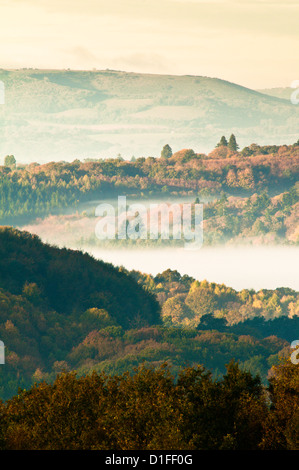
252 43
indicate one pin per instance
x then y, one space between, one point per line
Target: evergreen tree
223 142
166 151
232 144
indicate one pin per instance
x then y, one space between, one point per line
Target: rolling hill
61 309
70 282
281 92
52 115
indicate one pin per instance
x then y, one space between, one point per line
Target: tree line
150 410
37 190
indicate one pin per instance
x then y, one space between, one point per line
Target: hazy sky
253 43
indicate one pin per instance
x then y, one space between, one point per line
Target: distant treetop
232 143
9 161
222 142
166 151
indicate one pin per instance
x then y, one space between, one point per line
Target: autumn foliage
62 310
34 190
149 410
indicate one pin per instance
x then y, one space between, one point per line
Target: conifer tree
166 151
232 143
222 142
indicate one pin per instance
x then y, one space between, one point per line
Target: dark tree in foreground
281 428
151 410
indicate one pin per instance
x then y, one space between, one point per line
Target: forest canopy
150 410
62 310
34 190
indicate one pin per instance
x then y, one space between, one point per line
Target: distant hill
280 92
62 115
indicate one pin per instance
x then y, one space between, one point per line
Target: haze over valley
52 115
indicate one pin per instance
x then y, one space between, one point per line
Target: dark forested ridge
63 310
70 282
52 298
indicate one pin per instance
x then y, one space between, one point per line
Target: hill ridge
68 114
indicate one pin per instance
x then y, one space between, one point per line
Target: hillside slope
70 282
53 115
282 93
62 310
